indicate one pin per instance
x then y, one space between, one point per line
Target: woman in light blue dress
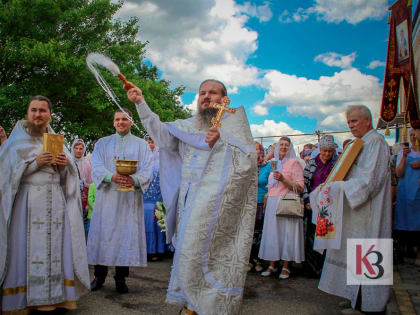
407 213
155 238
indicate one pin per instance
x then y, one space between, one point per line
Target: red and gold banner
399 65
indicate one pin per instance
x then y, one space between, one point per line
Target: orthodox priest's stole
45 235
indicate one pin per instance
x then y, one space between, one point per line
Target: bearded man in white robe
43 262
366 213
208 179
117 234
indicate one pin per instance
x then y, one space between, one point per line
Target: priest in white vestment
43 263
366 213
209 187
117 234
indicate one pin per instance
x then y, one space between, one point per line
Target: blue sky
293 65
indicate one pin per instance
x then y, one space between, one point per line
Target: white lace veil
291 154
78 140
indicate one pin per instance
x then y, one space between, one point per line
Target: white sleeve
155 128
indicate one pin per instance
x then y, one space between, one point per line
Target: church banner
399 65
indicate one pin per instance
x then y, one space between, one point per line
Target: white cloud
262 12
179 101
337 11
375 64
193 105
193 40
272 128
299 16
324 99
232 90
284 17
333 59
260 110
350 11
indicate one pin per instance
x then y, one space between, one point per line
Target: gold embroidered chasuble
215 209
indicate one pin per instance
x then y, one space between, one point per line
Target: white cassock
210 196
42 246
366 214
117 235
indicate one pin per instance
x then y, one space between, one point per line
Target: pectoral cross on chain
223 108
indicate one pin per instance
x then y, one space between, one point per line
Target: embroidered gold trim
22 289
14 291
69 283
70 305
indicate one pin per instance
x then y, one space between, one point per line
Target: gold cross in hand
223 108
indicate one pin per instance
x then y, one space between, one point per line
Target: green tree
43 49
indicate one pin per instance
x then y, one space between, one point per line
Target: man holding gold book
366 214
117 234
208 169
43 263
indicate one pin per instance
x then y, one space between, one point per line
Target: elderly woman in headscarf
316 172
263 173
78 150
282 237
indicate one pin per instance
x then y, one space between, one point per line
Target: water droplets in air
93 60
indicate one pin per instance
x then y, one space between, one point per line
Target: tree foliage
43 49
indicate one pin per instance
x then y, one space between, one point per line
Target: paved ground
265 296
406 289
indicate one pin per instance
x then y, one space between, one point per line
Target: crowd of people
285 238
288 239
46 250
201 174
405 165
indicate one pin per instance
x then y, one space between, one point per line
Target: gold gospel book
343 165
53 143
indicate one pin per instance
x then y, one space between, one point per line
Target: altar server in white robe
117 234
209 187
43 263
366 212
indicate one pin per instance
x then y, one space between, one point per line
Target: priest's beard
35 130
205 115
